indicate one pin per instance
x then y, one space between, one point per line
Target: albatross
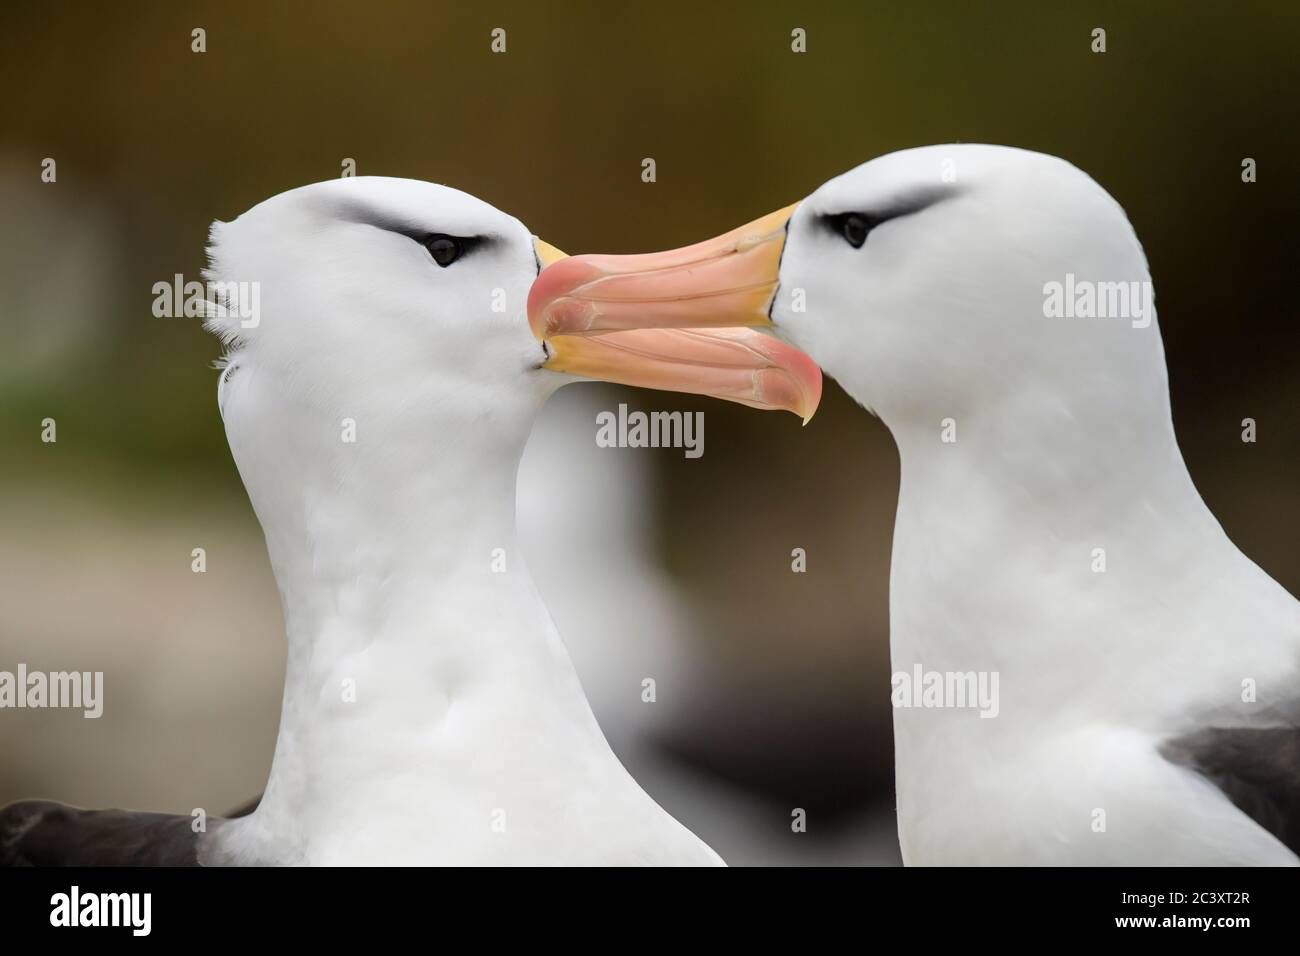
1048 534
377 407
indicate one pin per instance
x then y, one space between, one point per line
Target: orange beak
679 320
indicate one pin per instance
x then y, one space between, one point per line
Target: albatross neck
431 713
1022 537
407 605
383 537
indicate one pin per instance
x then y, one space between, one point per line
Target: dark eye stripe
459 248
854 227
444 249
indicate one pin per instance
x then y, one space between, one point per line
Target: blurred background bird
770 686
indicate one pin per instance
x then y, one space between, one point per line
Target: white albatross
377 407
1047 530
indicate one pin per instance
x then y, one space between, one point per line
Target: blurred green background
154 141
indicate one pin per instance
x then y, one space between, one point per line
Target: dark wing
42 833
1257 769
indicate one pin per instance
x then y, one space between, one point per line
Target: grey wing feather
1258 769
43 833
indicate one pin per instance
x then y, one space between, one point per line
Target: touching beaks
680 320
726 281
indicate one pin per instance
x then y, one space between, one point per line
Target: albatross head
931 282
391 303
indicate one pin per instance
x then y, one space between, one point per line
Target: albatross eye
855 228
444 249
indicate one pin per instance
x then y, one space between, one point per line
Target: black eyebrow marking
468 244
905 205
349 211
416 232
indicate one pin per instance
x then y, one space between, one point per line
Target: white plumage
1048 534
1064 445
431 714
